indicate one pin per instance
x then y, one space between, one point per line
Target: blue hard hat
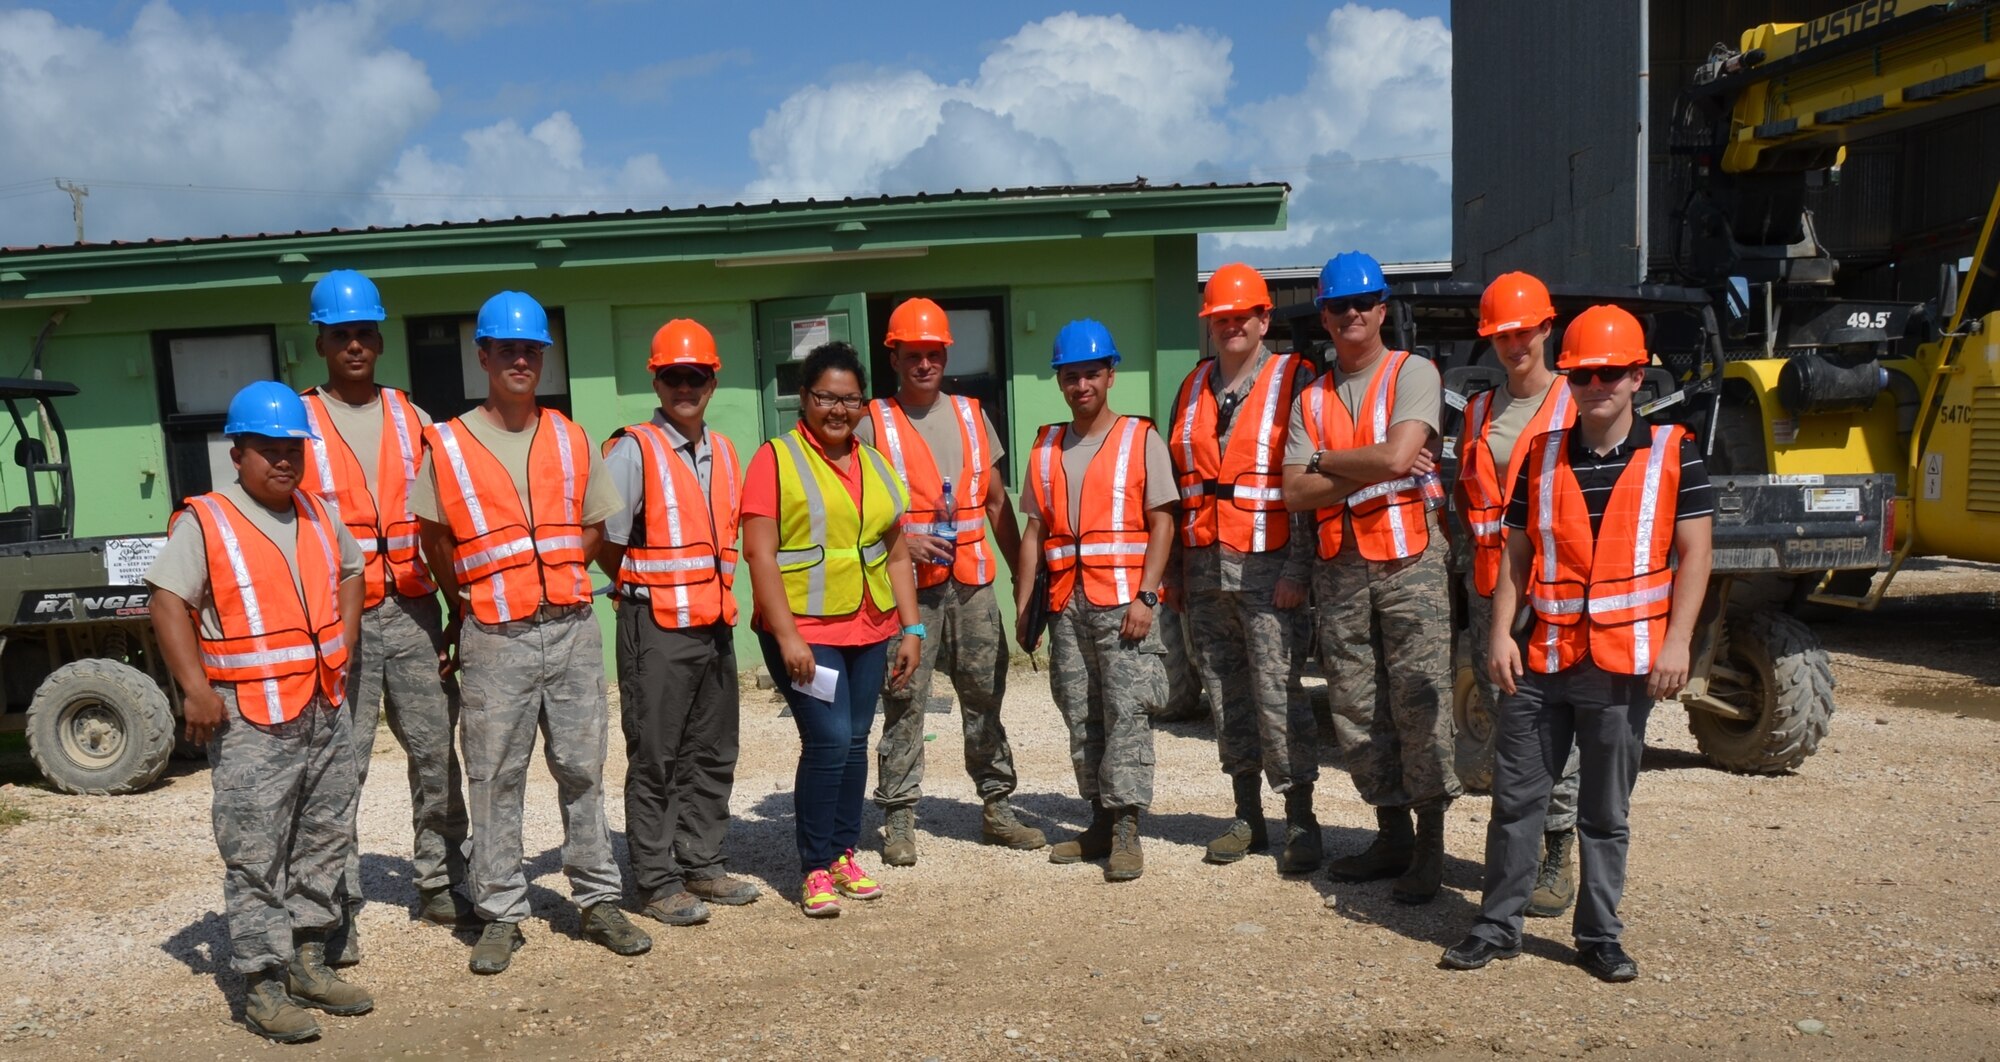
1350 273
345 295
1084 340
513 315
270 409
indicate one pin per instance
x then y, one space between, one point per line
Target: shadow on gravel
1659 759
203 947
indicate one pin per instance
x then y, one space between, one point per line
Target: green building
159 335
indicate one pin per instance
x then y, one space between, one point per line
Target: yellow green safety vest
827 548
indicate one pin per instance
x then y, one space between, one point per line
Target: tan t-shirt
1508 419
600 496
361 428
1419 396
181 568
937 426
1077 453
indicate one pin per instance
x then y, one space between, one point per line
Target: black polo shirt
1598 473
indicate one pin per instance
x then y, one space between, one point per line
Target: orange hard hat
1235 288
683 342
919 321
1603 335
1514 301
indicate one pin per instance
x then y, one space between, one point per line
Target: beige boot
269 1011
312 983
1249 832
1555 886
999 826
1093 843
1127 861
899 837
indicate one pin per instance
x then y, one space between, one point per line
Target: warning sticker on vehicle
1933 476
1833 499
1806 479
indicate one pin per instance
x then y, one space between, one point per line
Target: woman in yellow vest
834 589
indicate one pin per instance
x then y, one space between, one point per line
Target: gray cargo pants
547 674
283 810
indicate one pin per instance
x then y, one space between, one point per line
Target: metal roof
851 227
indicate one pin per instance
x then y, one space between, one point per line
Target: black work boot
1093 843
1555 885
1302 854
1248 833
1386 856
1425 876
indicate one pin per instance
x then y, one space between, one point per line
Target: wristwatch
1149 599
916 629
1312 466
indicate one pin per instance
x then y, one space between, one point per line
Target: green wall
610 313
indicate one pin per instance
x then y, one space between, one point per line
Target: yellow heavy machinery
1813 383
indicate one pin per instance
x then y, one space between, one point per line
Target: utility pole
76 194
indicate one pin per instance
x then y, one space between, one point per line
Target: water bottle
946 526
1433 489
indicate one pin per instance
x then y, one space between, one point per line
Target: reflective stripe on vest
1234 495
389 545
506 567
914 462
816 511
1104 546
1486 491
1387 519
1605 594
686 567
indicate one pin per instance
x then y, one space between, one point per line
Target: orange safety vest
278 647
896 437
1107 541
385 528
511 561
1486 494
1605 595
1388 517
1249 475
682 556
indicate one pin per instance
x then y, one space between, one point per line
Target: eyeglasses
828 400
684 377
1356 303
1601 375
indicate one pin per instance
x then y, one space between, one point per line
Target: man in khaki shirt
530 656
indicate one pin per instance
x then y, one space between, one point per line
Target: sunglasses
1601 375
683 377
1355 303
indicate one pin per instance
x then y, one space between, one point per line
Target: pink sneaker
819 898
853 882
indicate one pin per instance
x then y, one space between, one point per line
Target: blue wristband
916 629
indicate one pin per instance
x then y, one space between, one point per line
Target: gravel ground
1843 911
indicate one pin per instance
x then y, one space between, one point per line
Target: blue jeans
833 746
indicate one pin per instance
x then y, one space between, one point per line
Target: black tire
100 728
1782 677
1738 448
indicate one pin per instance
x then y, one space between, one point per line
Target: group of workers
367 556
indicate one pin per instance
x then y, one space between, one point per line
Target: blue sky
191 117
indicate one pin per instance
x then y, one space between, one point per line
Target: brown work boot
498 942
445 907
1127 861
269 1011
1093 843
999 826
605 924
899 837
725 890
343 941
1248 833
1425 876
678 908
1303 853
1555 886
311 983
1386 856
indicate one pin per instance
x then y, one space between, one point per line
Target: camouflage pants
520 677
1250 652
283 811
1183 678
1107 689
963 624
1562 799
397 669
1385 633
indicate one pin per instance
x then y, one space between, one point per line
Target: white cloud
172 102
542 170
1364 142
